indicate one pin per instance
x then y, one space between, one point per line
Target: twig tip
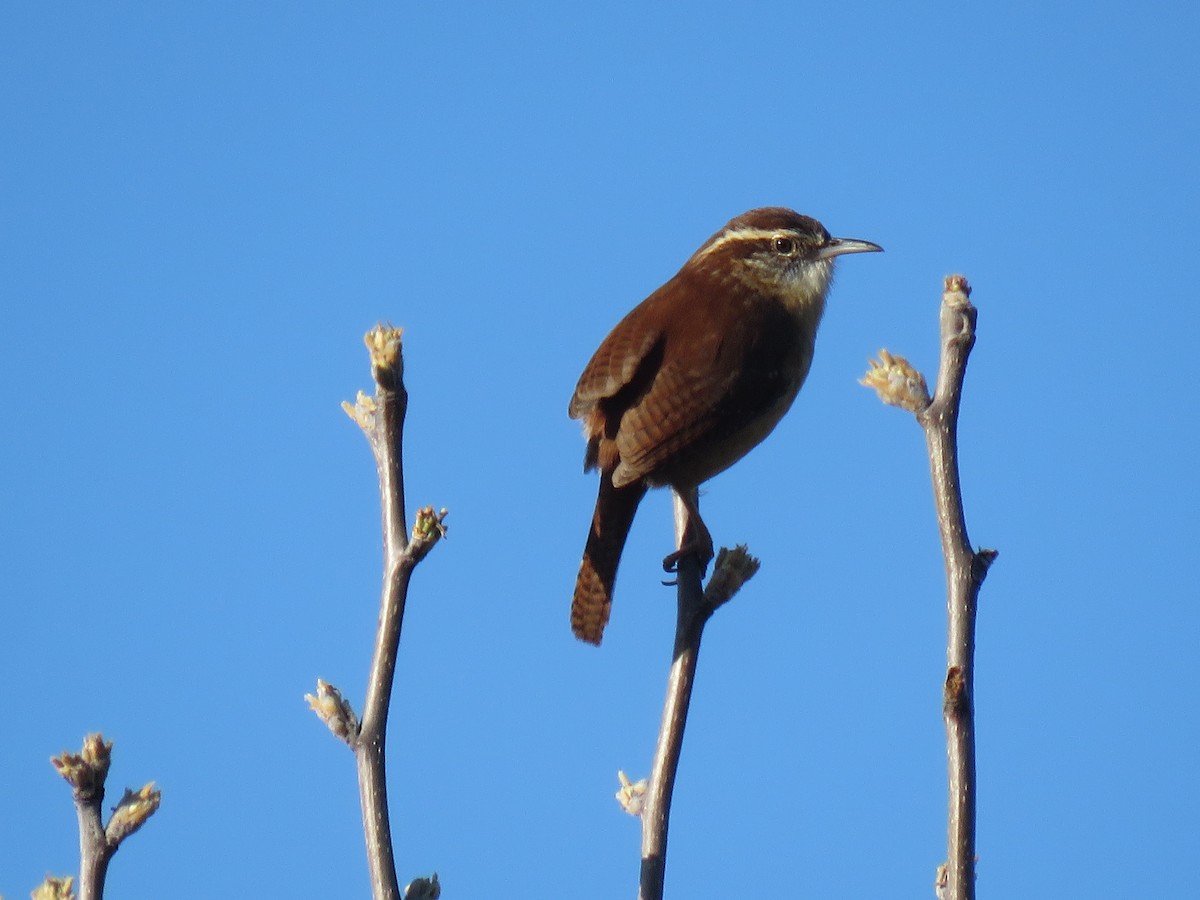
86 770
385 345
957 284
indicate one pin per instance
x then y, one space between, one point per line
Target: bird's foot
701 548
696 541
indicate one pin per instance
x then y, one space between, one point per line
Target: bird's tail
615 507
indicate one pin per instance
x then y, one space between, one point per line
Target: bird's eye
785 245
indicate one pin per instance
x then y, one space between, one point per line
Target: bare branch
901 385
694 608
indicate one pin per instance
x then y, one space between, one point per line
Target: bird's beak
840 246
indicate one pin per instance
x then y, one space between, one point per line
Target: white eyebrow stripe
741 234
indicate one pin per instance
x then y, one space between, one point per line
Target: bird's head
778 252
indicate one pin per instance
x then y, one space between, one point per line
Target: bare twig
695 607
965 571
382 421
87 772
899 384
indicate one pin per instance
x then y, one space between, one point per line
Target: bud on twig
335 711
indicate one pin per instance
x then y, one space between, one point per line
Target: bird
694 377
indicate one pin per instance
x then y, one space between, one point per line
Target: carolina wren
695 376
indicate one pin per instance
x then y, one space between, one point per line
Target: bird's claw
703 554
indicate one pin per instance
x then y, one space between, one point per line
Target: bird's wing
736 375
642 411
675 411
615 366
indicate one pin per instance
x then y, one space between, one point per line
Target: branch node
362 411
131 813
941 882
335 711
982 562
954 693
897 382
631 795
55 889
423 888
429 527
430 524
732 570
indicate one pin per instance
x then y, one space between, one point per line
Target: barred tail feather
615 508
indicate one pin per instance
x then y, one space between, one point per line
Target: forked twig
382 420
87 771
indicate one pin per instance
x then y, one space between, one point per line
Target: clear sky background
204 206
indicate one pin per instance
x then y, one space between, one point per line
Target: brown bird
694 377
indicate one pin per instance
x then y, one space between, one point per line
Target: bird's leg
696 540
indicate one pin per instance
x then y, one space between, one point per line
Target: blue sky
206 205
